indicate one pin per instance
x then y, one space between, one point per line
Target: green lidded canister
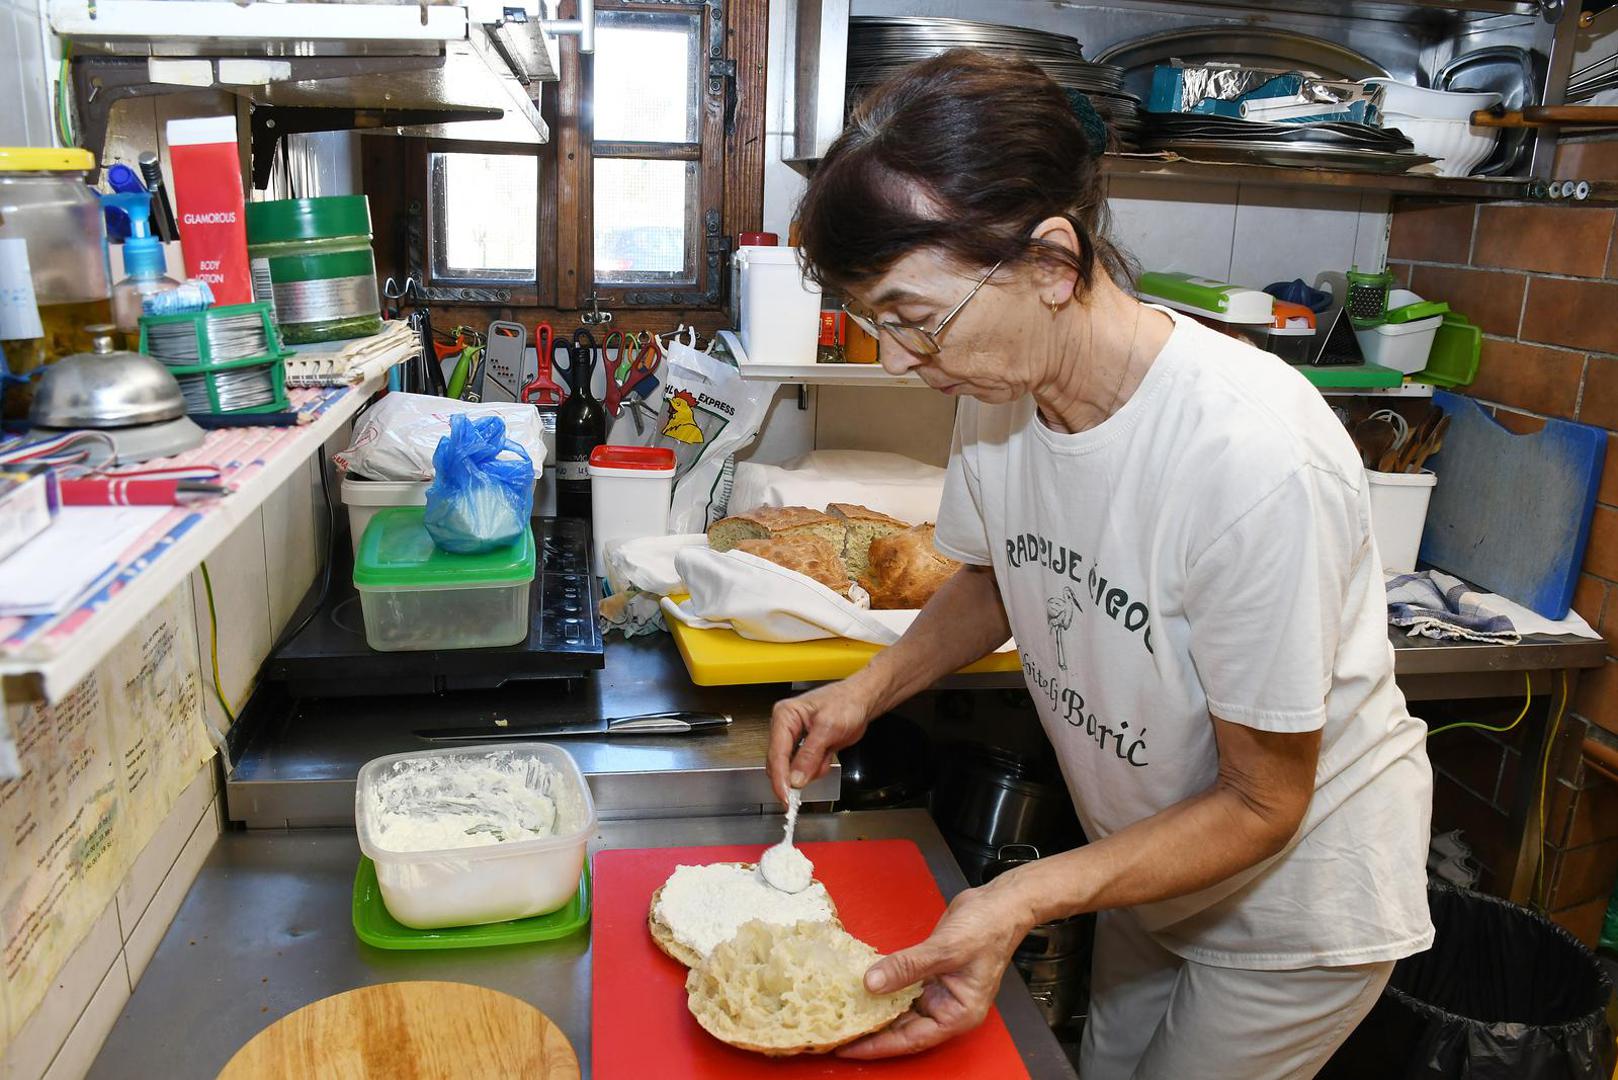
313 256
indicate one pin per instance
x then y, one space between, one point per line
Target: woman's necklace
1123 374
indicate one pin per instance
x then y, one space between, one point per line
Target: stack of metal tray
881 47
1325 145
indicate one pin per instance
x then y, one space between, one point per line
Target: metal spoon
782 849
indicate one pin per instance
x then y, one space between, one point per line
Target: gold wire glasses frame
917 340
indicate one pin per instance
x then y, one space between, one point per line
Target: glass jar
314 255
53 262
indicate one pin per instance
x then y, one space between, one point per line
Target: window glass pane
644 218
645 83
485 209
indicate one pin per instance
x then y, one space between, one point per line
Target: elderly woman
1218 685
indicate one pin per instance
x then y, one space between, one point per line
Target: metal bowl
106 388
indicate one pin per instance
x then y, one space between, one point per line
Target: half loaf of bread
784 990
663 935
906 569
864 526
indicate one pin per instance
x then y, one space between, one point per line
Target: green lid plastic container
398 553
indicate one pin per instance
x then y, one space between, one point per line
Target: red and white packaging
208 205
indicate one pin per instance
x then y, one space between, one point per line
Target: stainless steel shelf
1465 187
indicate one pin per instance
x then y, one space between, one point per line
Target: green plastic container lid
323 218
374 926
397 552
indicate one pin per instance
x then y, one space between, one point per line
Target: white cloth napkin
892 484
765 602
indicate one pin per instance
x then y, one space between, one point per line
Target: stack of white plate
1438 122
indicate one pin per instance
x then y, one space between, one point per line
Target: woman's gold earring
1054 306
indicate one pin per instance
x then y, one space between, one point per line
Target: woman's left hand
961 965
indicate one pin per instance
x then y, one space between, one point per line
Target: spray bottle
144 264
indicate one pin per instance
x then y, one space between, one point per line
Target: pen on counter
138 492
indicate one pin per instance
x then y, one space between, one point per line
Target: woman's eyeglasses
913 339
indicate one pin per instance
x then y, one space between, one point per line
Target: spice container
497 874
53 261
415 597
630 487
314 256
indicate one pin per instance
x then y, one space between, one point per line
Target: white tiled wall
61 1039
28 57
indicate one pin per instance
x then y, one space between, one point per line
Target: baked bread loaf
723 896
906 569
784 990
776 522
864 525
812 556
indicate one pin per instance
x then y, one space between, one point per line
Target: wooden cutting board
409 1031
641 1027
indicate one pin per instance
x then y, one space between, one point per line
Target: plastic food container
468 886
315 257
1401 346
416 597
780 310
630 488
1399 515
365 497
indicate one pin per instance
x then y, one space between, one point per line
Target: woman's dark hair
964 153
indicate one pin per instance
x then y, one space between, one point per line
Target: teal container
313 257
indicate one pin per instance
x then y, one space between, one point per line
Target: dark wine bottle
581 426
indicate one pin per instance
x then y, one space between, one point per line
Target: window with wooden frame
649 171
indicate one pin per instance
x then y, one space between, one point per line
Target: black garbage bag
1503 994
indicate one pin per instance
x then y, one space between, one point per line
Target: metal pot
1057 940
1061 989
105 388
995 797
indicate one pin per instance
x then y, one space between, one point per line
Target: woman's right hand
827 719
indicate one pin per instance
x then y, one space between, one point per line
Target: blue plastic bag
478 500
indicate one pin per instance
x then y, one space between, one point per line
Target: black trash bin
1503 994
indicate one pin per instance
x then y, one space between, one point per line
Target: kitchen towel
1438 605
891 484
640 572
765 602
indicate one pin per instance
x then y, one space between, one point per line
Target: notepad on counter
77 553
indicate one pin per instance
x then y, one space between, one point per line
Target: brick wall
1542 282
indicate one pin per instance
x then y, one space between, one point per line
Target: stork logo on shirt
1032 551
1059 612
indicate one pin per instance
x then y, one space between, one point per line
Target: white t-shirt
1207 549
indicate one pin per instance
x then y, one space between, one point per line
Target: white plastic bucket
630 490
1398 515
780 310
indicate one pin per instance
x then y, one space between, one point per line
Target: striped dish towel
1436 605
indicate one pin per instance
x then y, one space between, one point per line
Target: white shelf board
211 20
828 374
60 666
1407 390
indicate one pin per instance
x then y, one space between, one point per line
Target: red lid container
633 458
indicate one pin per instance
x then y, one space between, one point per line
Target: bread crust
906 569
812 556
856 512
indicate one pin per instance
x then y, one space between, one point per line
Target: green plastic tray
1350 376
375 926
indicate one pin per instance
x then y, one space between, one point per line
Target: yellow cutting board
409 1031
725 658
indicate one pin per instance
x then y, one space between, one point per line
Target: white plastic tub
1404 347
630 489
1398 515
780 310
468 886
365 497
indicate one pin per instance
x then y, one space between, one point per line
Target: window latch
722 80
597 315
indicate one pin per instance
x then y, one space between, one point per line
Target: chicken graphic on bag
682 423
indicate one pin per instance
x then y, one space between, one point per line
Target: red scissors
630 367
543 391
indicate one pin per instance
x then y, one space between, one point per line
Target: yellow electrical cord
1528 686
1544 775
213 645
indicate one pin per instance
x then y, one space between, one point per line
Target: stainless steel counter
266 930
299 768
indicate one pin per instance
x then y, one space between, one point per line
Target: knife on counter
663 723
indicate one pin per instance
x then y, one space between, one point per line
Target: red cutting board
641 1028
